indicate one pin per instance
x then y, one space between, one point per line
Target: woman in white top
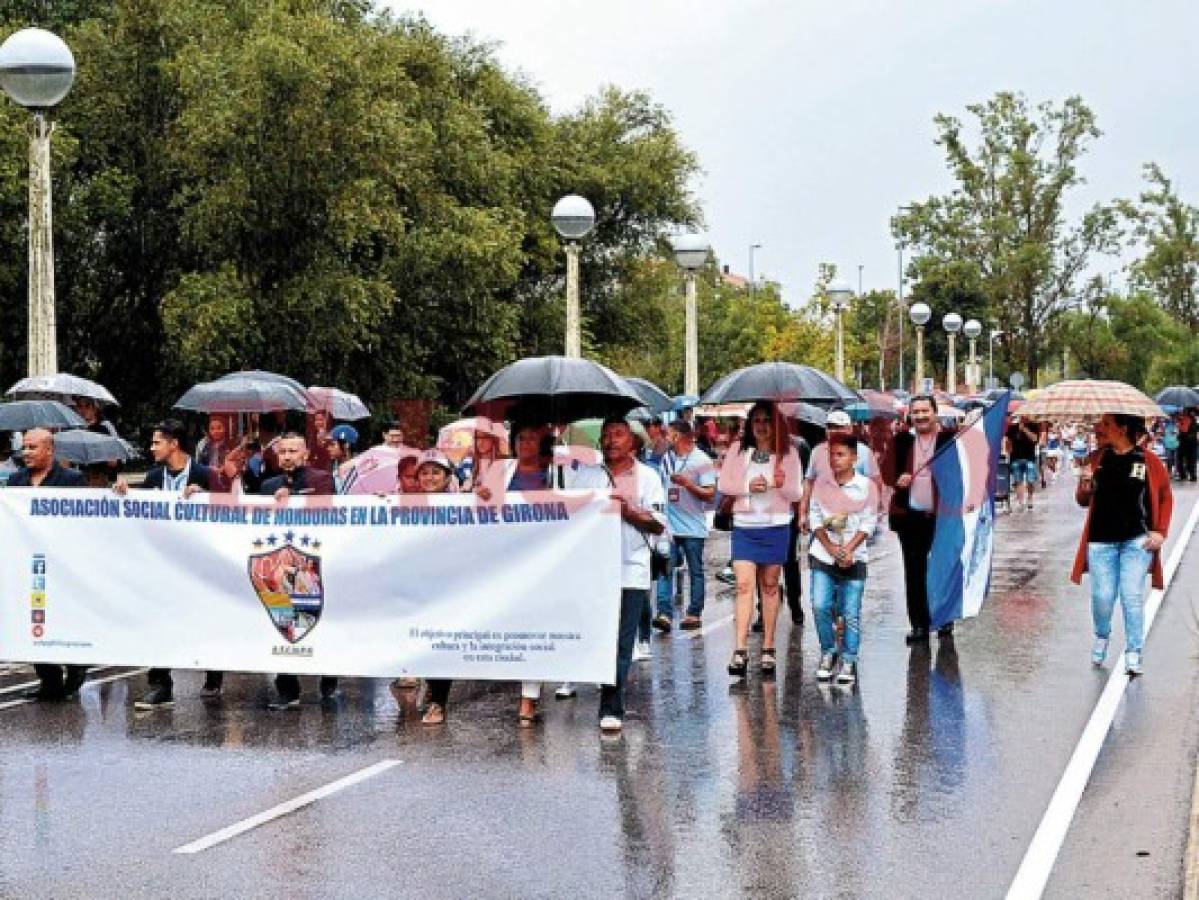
764 474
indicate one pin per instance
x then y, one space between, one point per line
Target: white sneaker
824 671
565 691
1098 651
1132 663
848 673
641 652
610 724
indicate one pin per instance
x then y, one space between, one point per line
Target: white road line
275 812
24 701
1041 855
14 688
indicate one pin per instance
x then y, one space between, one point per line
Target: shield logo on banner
288 582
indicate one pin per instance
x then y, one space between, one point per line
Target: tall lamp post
920 313
972 329
573 219
36 71
996 334
752 248
691 253
952 323
839 294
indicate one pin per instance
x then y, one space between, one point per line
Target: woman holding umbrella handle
765 476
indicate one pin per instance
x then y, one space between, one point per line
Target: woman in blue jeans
842 513
1127 493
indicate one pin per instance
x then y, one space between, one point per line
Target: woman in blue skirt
764 474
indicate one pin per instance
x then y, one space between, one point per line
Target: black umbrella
1178 395
553 389
804 412
779 381
244 393
21 415
656 400
86 447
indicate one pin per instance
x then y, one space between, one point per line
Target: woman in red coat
1127 493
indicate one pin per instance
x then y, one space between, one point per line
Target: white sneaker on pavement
610 724
1098 651
641 652
565 691
1132 663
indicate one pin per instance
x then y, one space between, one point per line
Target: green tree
1007 213
1168 230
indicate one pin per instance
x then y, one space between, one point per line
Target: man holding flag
959 570
913 511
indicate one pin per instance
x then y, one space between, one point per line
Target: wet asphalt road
928 780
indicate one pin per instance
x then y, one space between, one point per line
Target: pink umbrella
378 470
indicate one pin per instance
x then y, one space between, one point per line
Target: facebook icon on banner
959 565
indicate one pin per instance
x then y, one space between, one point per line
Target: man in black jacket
297 479
175 472
42 470
913 512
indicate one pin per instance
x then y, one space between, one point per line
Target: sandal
768 661
434 715
739 663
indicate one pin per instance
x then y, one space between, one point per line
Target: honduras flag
959 565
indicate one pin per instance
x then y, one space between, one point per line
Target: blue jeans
830 597
632 602
690 549
1119 569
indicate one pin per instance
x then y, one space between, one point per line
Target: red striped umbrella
1078 401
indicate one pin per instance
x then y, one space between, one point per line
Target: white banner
431 585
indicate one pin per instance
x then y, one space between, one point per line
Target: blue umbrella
656 400
683 401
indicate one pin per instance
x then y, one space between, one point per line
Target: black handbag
723 520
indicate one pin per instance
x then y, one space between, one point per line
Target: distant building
732 279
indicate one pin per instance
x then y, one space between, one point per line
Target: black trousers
288 685
60 679
439 691
792 578
915 541
1187 452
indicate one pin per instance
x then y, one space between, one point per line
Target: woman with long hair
764 475
1129 502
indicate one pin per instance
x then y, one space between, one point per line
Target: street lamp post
573 219
691 253
952 323
36 71
996 334
972 329
752 248
920 313
840 294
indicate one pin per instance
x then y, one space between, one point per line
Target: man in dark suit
41 469
297 479
175 472
913 512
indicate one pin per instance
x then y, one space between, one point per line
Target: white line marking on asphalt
24 700
14 688
275 812
1041 855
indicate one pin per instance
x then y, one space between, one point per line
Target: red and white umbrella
1086 401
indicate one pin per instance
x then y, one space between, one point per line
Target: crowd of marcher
775 483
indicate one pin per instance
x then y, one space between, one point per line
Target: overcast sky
812 119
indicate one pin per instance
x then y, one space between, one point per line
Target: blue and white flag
959 565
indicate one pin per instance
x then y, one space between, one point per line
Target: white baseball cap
838 418
436 457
